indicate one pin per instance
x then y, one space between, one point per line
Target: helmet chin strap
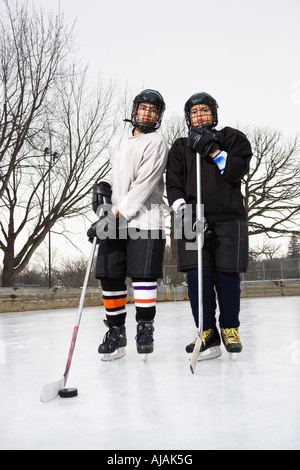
142 127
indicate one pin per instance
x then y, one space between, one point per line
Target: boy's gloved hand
202 140
105 227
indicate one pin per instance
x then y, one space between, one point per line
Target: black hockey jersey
221 193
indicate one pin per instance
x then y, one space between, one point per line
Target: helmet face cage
201 98
148 96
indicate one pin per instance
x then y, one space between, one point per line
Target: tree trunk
8 273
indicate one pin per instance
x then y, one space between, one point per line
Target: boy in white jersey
132 239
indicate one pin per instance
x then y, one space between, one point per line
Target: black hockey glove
101 195
187 226
203 228
202 140
105 227
91 233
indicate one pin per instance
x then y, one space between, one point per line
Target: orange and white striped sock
115 305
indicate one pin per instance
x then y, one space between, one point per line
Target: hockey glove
91 233
101 195
105 227
187 226
202 140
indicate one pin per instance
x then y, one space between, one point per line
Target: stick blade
50 391
195 354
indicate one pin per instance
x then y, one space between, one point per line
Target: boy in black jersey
225 156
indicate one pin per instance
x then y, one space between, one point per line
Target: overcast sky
244 53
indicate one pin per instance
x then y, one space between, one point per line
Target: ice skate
210 347
144 338
232 342
114 343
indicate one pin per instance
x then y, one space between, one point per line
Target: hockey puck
68 392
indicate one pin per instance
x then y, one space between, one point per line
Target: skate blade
121 352
233 356
145 357
211 353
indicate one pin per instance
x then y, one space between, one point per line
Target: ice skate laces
145 333
205 335
113 336
230 335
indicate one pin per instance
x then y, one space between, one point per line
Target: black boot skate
144 337
210 347
114 342
232 342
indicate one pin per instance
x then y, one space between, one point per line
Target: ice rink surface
253 403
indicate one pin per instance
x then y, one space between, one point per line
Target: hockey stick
51 391
199 214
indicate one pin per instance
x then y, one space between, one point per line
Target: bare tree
267 249
38 188
71 273
173 128
33 50
272 189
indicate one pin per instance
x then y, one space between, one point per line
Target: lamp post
53 157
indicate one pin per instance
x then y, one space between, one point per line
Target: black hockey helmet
201 98
148 96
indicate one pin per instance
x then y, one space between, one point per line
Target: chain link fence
273 270
265 270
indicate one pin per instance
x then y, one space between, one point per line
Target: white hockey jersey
137 178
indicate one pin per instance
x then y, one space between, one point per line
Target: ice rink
253 403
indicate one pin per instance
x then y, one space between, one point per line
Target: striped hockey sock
145 294
114 300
